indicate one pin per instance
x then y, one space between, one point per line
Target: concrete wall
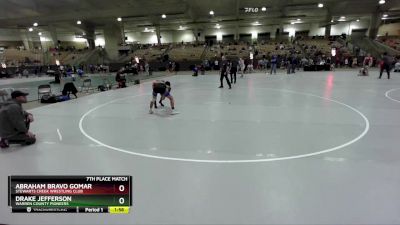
10 35
347 27
189 35
393 29
185 36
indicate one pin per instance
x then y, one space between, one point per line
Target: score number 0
121 200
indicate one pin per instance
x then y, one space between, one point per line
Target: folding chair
87 84
44 89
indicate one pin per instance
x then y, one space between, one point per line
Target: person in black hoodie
386 65
234 69
224 74
15 122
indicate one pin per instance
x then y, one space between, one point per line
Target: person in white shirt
241 67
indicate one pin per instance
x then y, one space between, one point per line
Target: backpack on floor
101 88
48 99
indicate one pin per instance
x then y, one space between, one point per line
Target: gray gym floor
309 148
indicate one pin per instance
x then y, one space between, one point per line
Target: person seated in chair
80 72
15 122
120 80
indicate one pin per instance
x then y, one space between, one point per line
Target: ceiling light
163 16
358 20
30 29
298 19
320 5
79 22
212 13
382 2
331 21
35 24
119 19
292 23
342 17
385 15
40 33
264 9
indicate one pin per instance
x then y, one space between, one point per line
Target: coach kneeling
15 121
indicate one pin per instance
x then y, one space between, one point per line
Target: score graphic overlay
70 194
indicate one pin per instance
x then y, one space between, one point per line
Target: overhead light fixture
264 9
292 23
385 15
358 20
40 33
320 5
119 19
212 13
163 16
30 29
79 22
382 2
298 19
35 24
331 21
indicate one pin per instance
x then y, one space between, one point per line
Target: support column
196 34
278 31
122 28
53 35
112 38
273 33
328 29
237 32
158 33
376 19
90 36
26 40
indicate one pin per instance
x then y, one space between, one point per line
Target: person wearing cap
15 121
